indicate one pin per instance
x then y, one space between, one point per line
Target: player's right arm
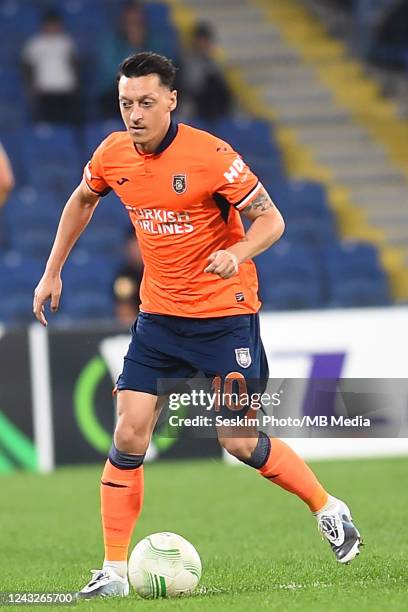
74 219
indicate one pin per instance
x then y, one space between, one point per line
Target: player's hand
49 288
223 263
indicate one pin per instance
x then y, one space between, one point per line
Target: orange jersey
184 202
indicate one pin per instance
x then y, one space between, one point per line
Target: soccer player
184 190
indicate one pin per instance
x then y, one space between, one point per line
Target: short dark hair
142 64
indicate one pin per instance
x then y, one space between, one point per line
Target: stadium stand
17 275
310 268
286 67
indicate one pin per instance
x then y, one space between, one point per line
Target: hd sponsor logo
236 168
161 221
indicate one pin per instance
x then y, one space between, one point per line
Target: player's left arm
267 226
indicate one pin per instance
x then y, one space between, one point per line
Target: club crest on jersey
243 357
179 183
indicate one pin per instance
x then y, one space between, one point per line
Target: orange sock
286 469
121 505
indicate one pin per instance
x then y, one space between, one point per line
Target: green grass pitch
259 545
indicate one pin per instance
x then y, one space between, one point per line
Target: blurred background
312 93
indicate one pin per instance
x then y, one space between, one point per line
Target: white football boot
336 525
105 583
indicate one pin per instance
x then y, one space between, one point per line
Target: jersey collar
168 139
165 143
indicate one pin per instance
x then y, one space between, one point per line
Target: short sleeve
232 178
93 173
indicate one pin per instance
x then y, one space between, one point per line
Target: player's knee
241 448
125 461
130 439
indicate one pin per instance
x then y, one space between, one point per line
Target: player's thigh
137 416
239 368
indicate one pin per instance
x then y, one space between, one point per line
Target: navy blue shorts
166 347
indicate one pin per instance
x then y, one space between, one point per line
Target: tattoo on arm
260 203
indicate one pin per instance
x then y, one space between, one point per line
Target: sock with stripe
121 505
278 463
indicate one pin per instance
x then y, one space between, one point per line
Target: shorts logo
179 183
243 357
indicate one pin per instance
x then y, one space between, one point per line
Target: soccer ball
164 565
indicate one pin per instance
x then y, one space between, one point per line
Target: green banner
16 446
